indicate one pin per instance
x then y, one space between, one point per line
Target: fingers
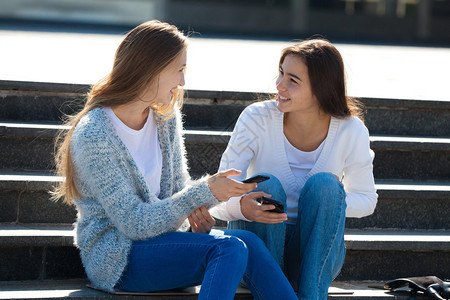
256 195
258 212
201 220
271 217
230 172
267 207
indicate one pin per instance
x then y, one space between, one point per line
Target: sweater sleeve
240 151
181 175
101 174
358 177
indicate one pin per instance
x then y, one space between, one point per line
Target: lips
282 99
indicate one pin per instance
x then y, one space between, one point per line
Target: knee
251 240
273 187
324 188
235 249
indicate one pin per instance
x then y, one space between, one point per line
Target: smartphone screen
256 179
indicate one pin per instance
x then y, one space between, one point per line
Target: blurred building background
369 21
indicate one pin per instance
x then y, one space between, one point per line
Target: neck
133 114
307 123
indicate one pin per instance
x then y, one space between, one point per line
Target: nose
280 84
182 82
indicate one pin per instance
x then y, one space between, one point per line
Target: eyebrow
295 76
292 75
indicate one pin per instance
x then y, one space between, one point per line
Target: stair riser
33 207
392 213
392 120
36 153
32 263
388 265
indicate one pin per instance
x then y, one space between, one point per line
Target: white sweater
257 145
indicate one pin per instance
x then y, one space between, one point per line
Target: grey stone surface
406 214
412 165
389 265
219 110
38 106
409 121
36 235
62 263
76 289
405 205
29 153
8 206
36 207
393 160
371 255
20 263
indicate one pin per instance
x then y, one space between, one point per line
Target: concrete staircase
408 235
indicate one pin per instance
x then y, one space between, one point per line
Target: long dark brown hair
327 77
140 58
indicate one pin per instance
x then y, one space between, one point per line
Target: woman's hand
224 188
201 221
257 212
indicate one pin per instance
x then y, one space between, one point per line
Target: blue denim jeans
218 261
313 248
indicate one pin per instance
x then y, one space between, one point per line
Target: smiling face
171 78
294 87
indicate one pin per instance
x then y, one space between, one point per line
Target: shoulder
260 111
92 128
352 126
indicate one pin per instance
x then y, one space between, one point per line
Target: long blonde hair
139 59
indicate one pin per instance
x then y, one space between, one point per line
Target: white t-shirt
144 147
301 163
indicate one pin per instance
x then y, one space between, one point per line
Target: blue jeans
314 249
218 261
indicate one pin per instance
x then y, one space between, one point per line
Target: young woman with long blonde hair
124 167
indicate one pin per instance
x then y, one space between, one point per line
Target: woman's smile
282 99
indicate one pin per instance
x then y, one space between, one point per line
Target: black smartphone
279 207
257 179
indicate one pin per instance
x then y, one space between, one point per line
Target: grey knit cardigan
116 206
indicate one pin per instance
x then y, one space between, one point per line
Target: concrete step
32 252
48 102
77 289
31 147
24 198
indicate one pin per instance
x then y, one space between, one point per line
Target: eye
281 71
294 81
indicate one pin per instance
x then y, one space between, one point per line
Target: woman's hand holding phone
257 212
224 188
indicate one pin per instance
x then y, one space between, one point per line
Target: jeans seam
253 285
214 270
319 284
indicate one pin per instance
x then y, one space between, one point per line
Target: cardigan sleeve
181 175
358 177
101 174
240 151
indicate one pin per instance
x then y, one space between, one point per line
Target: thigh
172 260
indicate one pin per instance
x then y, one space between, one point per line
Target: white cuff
233 206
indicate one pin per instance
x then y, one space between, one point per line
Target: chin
281 107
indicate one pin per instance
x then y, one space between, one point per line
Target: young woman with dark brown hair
314 147
124 167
